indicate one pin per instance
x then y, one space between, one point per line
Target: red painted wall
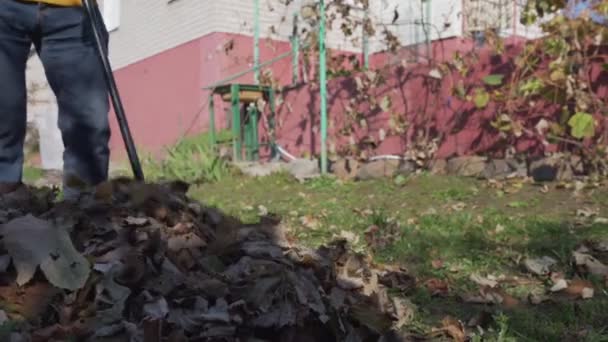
164 99
163 95
408 87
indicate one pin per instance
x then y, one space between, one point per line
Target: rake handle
96 27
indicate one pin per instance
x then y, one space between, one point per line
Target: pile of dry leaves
143 262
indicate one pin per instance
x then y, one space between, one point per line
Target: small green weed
322 183
32 174
453 194
192 159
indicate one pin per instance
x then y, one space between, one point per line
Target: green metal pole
366 41
236 122
256 41
212 120
245 72
428 29
247 133
255 146
323 87
295 50
271 124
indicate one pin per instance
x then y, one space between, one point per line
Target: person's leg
75 73
17 21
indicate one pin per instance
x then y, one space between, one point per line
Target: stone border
558 167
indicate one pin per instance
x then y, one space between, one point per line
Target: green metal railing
323 86
256 41
295 55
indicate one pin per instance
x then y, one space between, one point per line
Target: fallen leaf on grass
586 212
600 220
453 328
559 285
488 295
262 210
402 312
579 288
578 187
437 287
377 238
429 212
459 206
483 281
437 264
349 236
397 278
590 264
33 243
499 228
587 293
601 246
536 299
539 266
309 222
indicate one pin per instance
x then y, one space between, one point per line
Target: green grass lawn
31 174
445 229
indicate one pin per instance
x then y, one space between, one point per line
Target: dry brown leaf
489 295
151 247
397 278
483 281
559 285
586 212
437 264
539 266
590 264
136 221
459 206
454 328
587 293
34 243
499 228
579 288
403 312
185 241
310 222
349 236
31 301
437 287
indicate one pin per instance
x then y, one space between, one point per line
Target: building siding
153 26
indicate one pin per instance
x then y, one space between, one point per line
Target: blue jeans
64 41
